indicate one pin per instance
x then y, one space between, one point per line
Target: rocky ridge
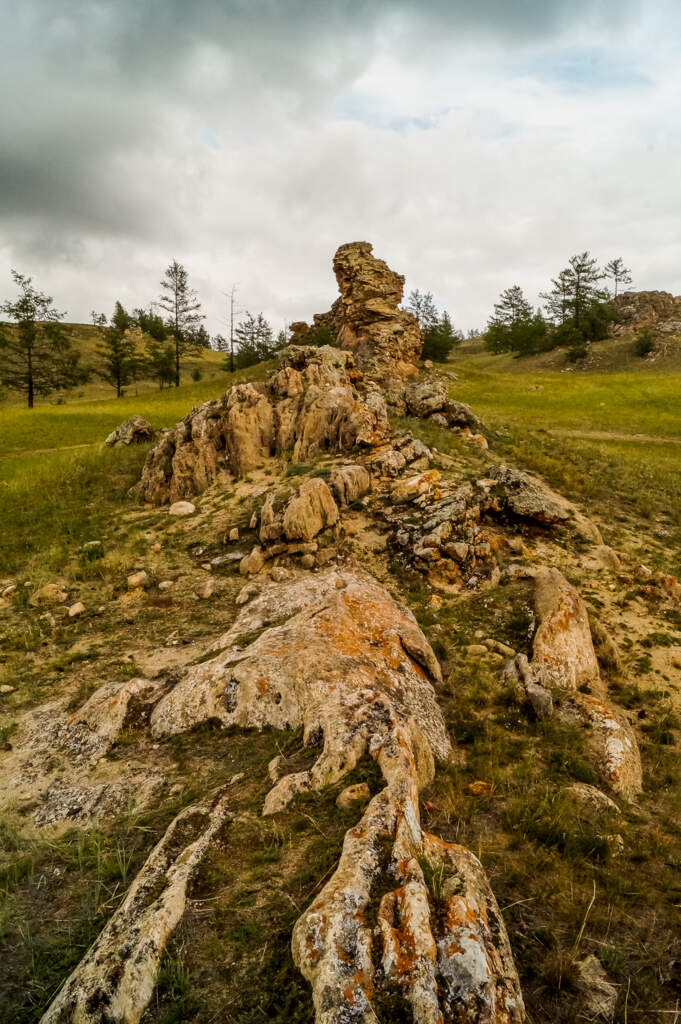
332 652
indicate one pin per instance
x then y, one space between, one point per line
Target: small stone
156 548
501 648
540 699
76 609
182 508
476 650
326 555
246 593
234 533
275 768
308 561
138 580
207 566
165 585
458 550
237 777
252 563
600 996
51 593
207 590
6 688
254 520
353 795
479 788
279 574
48 620
92 545
9 590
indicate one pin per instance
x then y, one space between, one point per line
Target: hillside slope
379 728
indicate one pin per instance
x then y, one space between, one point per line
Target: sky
476 145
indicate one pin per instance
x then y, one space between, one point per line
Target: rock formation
116 979
564 679
309 405
658 310
134 430
355 670
385 340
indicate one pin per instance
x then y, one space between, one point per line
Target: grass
50 427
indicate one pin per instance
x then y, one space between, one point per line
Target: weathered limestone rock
309 404
660 310
564 667
310 511
349 483
429 399
354 669
114 982
562 648
526 497
345 658
134 430
385 340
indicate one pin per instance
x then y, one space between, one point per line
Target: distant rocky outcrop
658 310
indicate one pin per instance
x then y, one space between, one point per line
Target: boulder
134 430
349 483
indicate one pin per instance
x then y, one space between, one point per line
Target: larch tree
422 306
618 273
181 305
36 356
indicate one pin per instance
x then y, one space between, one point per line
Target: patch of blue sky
210 139
362 108
582 70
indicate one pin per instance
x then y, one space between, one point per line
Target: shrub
644 342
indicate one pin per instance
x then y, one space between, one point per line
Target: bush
196 374
644 342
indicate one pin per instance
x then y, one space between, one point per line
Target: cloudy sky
476 145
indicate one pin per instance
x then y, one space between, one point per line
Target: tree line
577 310
37 357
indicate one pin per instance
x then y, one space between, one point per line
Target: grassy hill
84 338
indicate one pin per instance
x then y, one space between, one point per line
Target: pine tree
116 348
36 356
182 306
620 274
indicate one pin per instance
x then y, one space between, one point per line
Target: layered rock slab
564 678
354 669
114 982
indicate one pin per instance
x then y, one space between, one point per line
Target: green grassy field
57 481
606 440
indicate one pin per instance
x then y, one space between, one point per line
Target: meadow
57 479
